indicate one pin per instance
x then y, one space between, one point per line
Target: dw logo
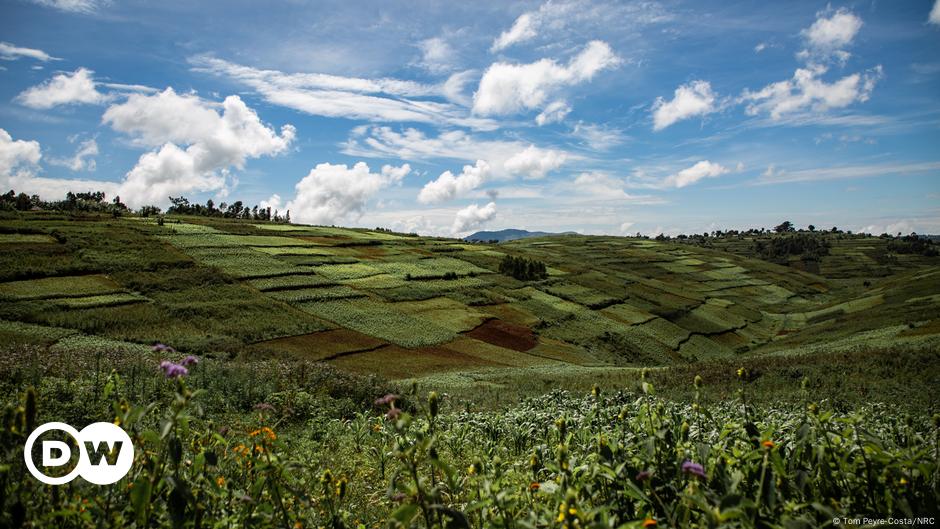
105 453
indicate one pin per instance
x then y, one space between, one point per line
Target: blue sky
445 118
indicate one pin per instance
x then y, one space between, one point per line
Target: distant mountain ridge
511 235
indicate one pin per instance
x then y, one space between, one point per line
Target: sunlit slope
404 306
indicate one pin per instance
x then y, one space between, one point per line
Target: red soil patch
321 345
503 334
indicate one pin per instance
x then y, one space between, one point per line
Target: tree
783 227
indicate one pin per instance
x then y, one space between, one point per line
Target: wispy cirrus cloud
782 176
74 6
11 52
380 100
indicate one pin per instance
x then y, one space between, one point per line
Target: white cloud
448 187
437 55
73 6
934 17
625 227
274 202
689 100
214 142
331 193
533 162
63 89
454 88
348 97
775 176
806 91
691 175
83 160
553 113
761 46
413 144
904 227
522 29
473 216
600 186
19 160
9 52
553 18
597 137
17 155
830 33
508 88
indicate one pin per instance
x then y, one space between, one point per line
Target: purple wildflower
162 348
644 475
695 469
386 400
190 361
393 414
264 406
171 370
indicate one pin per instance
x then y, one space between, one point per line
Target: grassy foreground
629 459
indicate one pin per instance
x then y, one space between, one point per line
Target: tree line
95 202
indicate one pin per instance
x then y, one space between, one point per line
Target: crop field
58 287
311 324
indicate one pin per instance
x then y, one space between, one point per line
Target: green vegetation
298 329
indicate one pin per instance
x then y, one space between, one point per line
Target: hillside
509 235
357 298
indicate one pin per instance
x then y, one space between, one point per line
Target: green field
316 322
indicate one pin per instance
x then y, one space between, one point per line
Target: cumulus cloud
508 88
77 87
17 155
217 137
19 162
830 34
473 216
934 17
448 187
274 202
689 100
10 52
806 91
82 160
335 96
331 193
412 144
522 29
691 175
533 162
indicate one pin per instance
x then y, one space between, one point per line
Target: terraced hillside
849 256
403 306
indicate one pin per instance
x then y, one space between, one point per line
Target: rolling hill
403 307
